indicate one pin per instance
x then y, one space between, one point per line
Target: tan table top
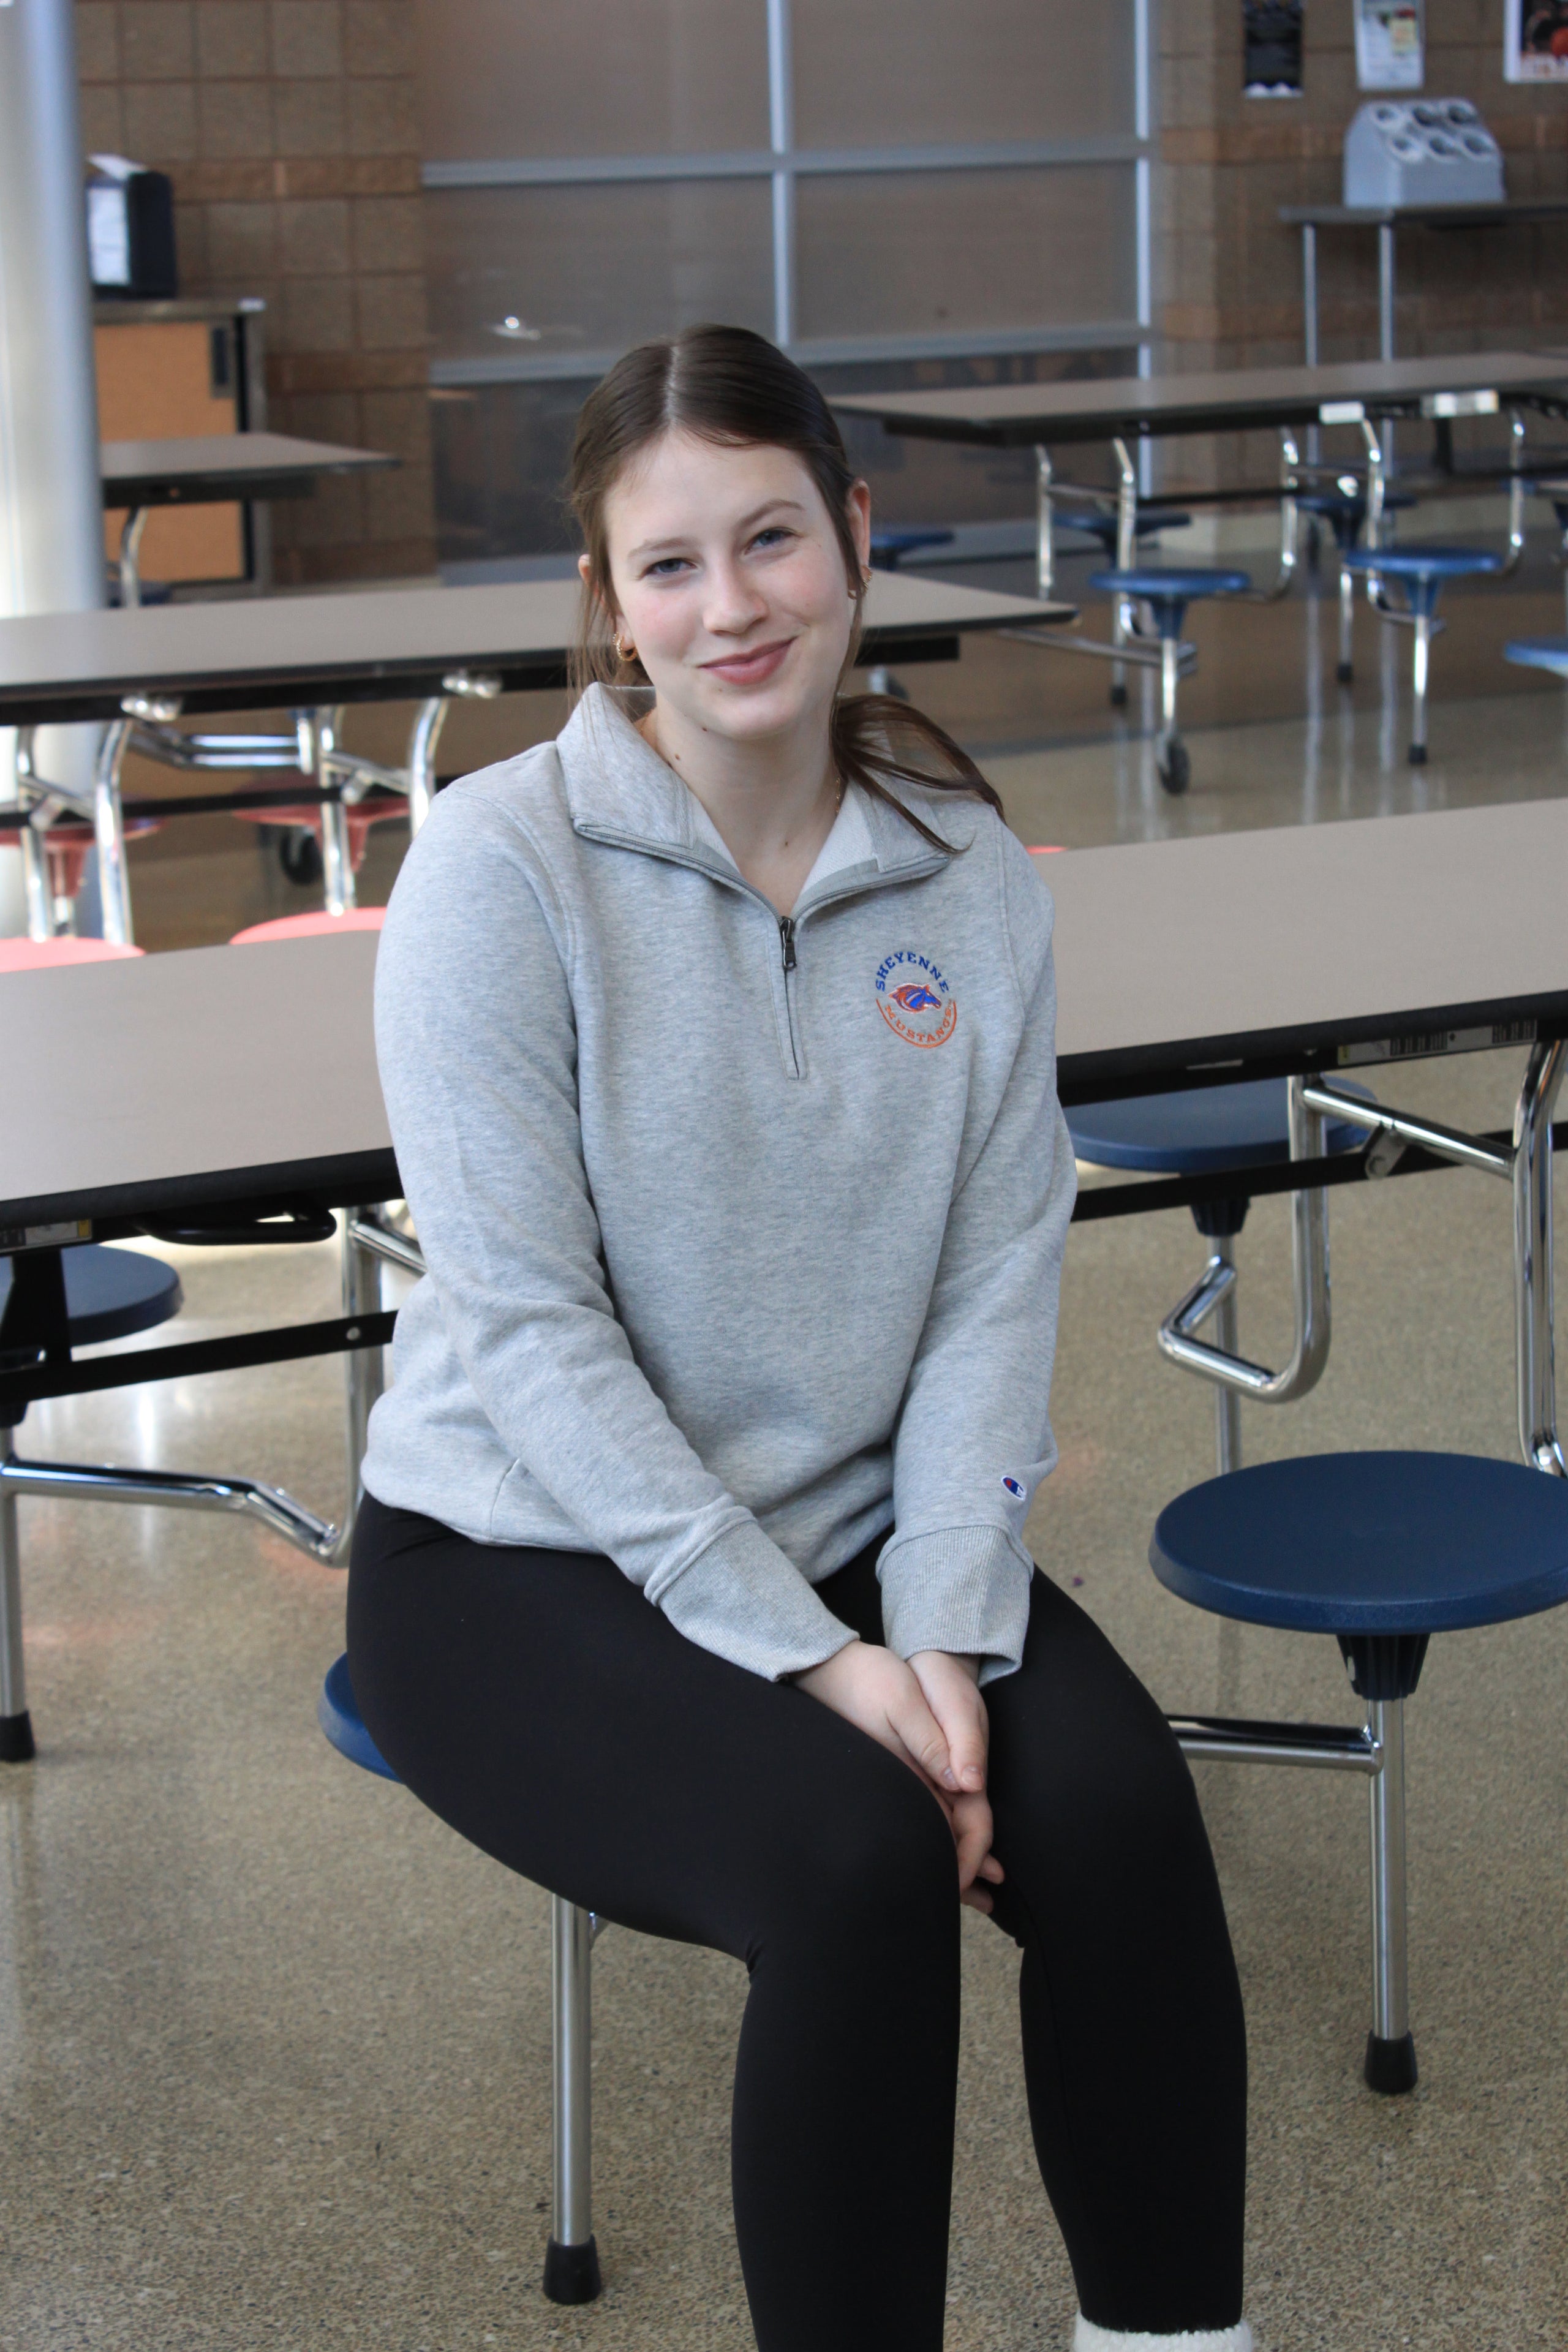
205 470
1231 401
1296 943
383 644
219 1073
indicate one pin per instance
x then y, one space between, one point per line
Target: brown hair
728 385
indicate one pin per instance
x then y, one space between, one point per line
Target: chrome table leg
572 2258
1419 661
130 533
1126 557
16 1723
317 731
1535 1356
365 1368
1226 1400
1346 669
1045 536
108 829
1390 2046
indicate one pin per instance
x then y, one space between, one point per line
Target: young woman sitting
717 1038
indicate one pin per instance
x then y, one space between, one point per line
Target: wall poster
1390 45
1535 40
1272 41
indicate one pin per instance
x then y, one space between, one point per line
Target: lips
753 669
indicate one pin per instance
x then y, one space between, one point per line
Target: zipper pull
786 936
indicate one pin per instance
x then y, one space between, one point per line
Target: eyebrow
769 506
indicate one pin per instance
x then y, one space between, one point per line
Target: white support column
51 498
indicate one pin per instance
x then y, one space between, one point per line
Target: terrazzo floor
274 2045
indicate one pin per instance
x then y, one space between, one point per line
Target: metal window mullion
586 366
781 131
759 163
1144 215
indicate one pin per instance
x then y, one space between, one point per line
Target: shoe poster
1390 45
1272 41
1535 40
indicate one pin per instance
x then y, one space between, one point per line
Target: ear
859 506
585 573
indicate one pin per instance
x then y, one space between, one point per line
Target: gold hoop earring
626 653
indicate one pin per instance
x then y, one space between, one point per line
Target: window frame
783 165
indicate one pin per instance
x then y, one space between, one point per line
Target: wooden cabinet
166 371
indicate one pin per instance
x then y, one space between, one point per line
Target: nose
733 604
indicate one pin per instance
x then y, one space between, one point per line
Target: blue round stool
1538 652
1107 528
889 547
1167 591
1381 1550
50 1299
570 2255
1343 508
109 1294
1201 1132
1555 490
1421 573
337 1712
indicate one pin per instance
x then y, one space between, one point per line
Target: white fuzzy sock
1087 2338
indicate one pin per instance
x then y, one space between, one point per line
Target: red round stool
309 927
68 843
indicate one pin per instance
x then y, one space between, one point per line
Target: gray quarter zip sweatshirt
744 1236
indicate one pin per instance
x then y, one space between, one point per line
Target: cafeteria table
1122 410
212 469
216 1093
142 670
230 1095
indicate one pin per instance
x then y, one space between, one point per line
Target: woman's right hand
874 1689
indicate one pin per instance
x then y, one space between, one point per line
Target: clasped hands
931 1714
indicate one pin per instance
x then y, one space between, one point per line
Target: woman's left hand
951 1689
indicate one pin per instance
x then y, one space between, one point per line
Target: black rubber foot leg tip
1390 2065
16 1738
1344 673
1119 698
572 2273
1418 755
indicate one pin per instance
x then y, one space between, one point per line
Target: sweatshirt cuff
964 1589
742 1599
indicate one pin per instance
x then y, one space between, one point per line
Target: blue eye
774 533
665 568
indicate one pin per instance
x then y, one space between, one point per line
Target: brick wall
288 127
1229 272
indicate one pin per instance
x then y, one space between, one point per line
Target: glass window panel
501 80
951 253
547 272
876 73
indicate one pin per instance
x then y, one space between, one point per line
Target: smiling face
728 577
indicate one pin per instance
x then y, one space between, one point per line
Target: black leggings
538 1704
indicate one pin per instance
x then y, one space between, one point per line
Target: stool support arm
1401 1129
1236 1740
74 1482
1177 1337
1535 1358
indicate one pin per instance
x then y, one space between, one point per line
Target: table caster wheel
1176 768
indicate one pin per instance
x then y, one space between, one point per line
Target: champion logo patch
914 999
1015 1487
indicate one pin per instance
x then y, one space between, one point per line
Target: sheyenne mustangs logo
914 1000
